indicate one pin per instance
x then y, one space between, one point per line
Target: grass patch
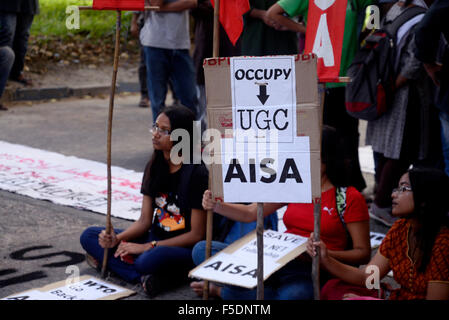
52 44
51 21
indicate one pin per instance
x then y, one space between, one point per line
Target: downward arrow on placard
263 97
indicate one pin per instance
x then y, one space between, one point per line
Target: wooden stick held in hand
110 117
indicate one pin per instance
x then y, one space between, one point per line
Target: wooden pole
210 213
259 233
317 213
111 109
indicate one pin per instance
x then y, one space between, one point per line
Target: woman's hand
107 241
208 203
126 248
311 249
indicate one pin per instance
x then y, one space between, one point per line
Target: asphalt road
39 239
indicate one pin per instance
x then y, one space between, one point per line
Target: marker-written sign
264 96
237 264
86 288
254 174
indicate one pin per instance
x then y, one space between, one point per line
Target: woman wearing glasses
157 248
416 248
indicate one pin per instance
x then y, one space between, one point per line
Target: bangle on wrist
153 244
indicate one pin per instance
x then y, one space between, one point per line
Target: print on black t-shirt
167 214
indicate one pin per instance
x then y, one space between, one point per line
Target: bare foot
197 287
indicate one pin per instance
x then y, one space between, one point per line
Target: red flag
126 5
231 12
324 36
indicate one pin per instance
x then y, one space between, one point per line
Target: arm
238 212
345 272
196 233
410 66
263 15
361 251
135 230
176 6
134 27
429 30
276 13
437 290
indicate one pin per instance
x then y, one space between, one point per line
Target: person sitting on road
157 248
416 248
294 281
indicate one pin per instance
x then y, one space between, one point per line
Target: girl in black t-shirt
157 248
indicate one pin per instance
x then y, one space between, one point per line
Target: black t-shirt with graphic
171 215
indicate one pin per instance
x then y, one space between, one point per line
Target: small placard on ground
237 264
85 288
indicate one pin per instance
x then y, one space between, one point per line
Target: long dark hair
332 156
430 188
157 171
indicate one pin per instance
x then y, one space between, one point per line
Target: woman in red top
416 247
293 281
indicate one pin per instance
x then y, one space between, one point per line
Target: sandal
151 285
91 261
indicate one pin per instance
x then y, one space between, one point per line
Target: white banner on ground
86 288
237 264
69 181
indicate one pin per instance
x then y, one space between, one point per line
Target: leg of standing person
144 97
6 62
444 120
183 77
335 115
20 46
8 23
158 70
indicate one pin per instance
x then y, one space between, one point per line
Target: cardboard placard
237 264
86 288
236 88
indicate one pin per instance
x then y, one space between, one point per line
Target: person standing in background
433 26
165 37
16 18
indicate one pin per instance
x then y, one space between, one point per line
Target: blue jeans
14 33
174 64
171 263
6 61
444 120
291 282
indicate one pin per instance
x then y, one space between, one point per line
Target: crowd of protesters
410 144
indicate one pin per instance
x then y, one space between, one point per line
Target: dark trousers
168 263
335 115
14 33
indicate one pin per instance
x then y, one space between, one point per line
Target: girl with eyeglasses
416 248
157 248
